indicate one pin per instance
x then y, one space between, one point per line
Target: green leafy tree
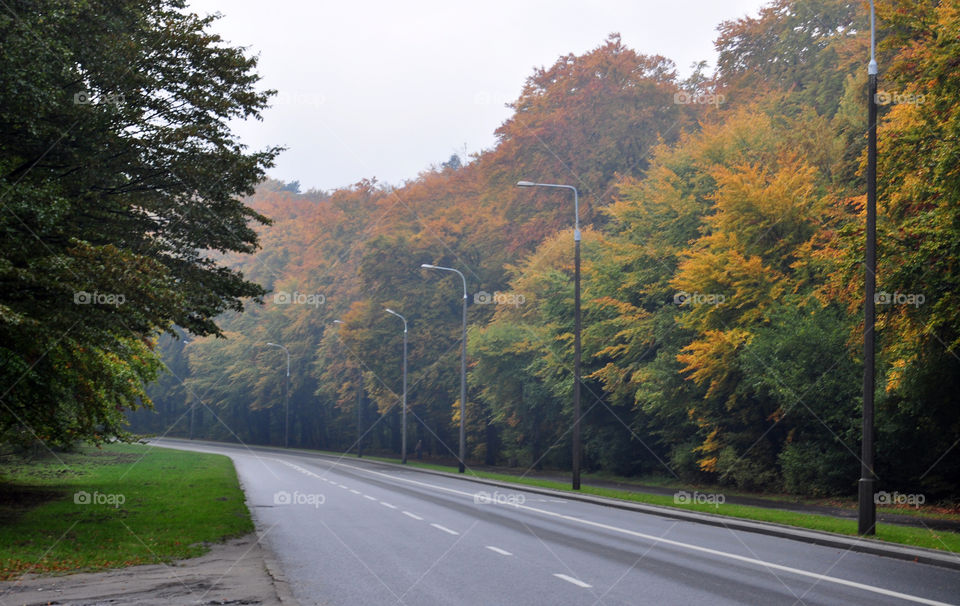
120 180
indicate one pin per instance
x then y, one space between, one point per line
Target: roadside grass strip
121 505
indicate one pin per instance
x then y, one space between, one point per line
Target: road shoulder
239 571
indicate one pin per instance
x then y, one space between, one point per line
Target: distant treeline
722 273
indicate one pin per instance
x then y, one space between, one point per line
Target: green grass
172 503
919 537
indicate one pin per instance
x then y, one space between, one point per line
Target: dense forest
722 286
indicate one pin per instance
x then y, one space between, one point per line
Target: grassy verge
123 505
919 537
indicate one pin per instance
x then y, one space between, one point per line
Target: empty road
349 532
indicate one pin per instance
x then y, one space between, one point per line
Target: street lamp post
359 411
867 515
192 404
403 416
577 449
463 363
286 403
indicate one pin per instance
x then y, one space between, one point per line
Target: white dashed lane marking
576 582
366 496
385 504
445 529
503 552
412 515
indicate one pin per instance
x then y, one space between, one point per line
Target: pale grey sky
374 88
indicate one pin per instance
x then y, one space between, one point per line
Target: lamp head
525 184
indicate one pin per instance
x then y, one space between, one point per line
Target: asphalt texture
348 531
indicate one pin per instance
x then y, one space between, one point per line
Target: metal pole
403 419
867 514
577 446
463 367
359 414
463 382
403 438
286 406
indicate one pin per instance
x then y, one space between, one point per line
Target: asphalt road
354 532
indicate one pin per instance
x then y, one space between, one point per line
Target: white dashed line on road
503 552
366 496
412 515
576 582
385 504
445 529
354 491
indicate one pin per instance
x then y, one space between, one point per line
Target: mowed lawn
121 505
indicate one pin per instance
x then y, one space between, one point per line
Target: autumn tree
119 175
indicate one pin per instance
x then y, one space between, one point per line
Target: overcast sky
384 89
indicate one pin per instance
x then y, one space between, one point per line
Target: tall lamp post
359 411
867 515
463 363
577 449
286 403
403 416
192 404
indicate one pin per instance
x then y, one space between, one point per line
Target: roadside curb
275 572
270 562
871 546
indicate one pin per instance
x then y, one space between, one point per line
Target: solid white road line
649 537
412 515
445 529
576 582
498 550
